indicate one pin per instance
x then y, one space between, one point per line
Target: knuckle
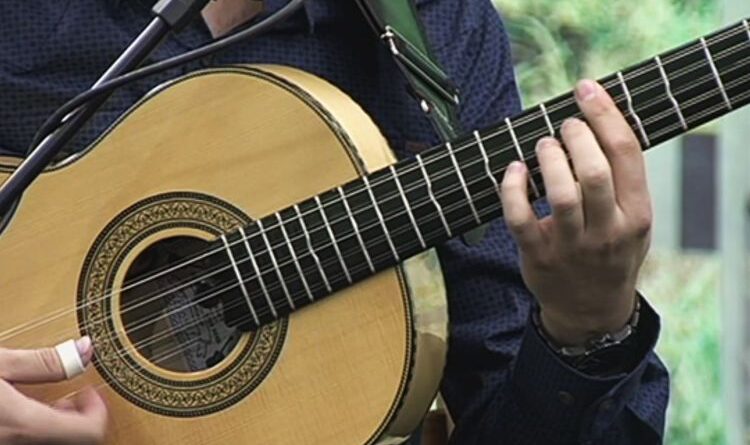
541 262
605 248
624 142
48 362
596 177
642 224
518 226
564 203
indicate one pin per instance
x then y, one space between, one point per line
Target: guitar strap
397 24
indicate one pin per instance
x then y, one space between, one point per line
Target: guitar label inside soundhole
171 310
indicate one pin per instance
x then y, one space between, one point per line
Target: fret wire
521 156
487 167
747 28
550 127
334 241
731 31
704 96
715 72
310 249
257 273
632 75
488 211
432 196
466 146
294 257
407 206
631 109
463 183
236 269
356 229
463 147
264 236
669 92
480 139
491 211
380 218
715 109
485 193
538 116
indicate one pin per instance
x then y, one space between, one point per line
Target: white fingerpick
70 358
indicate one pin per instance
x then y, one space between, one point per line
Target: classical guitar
228 306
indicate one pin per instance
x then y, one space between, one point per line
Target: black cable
56 119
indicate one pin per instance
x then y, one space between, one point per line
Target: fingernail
545 143
586 90
515 167
83 345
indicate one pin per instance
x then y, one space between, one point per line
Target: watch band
601 355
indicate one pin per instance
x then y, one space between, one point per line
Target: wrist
568 328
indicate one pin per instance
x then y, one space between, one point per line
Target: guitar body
197 158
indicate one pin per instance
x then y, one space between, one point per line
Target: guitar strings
528 118
274 289
416 206
556 107
174 351
264 272
452 207
462 205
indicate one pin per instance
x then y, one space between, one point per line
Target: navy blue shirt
502 383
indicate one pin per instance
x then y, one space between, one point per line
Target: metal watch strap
593 356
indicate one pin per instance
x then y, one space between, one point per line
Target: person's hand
582 261
80 420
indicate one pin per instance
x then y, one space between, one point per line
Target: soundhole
173 308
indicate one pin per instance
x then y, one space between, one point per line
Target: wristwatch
601 356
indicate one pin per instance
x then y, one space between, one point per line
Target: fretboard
303 253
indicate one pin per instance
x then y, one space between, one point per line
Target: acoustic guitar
228 306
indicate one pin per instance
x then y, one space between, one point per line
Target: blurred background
697 274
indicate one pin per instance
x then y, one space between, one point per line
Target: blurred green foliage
684 288
556 42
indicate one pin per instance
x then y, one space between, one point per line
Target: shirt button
566 398
607 405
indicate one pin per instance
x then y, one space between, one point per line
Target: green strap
397 24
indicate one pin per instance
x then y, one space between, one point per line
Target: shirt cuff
574 406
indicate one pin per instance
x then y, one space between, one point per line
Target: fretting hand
582 261
81 420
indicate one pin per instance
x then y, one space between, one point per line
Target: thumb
78 420
90 405
39 365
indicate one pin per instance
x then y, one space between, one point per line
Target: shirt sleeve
502 382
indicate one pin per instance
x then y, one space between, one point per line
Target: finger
517 211
64 405
84 421
593 172
563 194
620 145
40 365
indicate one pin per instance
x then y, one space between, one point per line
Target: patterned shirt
502 383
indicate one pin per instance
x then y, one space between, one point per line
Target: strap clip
419 65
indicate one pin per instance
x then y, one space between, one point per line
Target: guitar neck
375 222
